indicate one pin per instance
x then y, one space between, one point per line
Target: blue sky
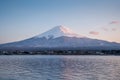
21 19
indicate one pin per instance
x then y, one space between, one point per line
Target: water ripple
59 67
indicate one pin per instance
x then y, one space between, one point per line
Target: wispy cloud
109 29
114 22
94 32
114 29
105 29
111 26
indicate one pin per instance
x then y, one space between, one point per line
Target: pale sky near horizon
21 19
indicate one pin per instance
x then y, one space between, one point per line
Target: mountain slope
61 37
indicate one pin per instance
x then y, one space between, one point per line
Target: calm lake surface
39 67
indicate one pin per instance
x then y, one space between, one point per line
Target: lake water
39 67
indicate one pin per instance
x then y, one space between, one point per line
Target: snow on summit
58 31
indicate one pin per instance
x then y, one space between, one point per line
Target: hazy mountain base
59 43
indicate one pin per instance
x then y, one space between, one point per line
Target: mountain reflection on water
59 67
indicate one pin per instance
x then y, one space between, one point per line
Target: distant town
61 52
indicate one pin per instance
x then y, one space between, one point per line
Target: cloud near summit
94 32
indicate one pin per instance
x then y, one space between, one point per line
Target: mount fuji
61 37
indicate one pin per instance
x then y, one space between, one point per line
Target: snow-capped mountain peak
59 31
60 37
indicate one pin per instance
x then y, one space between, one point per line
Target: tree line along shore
61 52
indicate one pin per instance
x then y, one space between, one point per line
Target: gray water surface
40 67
